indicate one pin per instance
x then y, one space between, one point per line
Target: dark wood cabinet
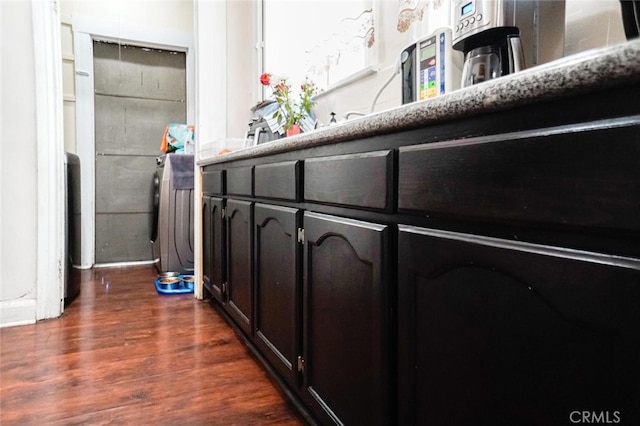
359 180
346 313
278 294
500 332
214 245
239 288
482 270
568 175
278 181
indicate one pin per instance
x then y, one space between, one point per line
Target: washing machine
172 221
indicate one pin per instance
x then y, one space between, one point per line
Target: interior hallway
123 354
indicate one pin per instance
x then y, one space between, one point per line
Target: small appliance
430 67
259 130
500 37
631 18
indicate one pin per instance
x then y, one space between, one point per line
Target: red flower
265 79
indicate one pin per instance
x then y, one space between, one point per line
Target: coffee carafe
492 58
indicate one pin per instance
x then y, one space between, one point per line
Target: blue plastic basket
180 284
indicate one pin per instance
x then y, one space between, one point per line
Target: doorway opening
137 92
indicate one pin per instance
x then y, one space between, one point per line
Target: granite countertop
582 72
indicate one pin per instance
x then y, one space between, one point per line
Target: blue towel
181 170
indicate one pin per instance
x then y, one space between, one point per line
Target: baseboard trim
17 312
123 264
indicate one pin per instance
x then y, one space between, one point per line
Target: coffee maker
500 37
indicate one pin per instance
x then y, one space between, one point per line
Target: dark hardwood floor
123 354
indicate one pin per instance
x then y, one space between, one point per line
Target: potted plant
292 111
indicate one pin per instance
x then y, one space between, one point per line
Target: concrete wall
138 91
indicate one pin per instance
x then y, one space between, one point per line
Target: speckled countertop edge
589 70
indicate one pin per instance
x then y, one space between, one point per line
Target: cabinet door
277 322
240 264
500 332
346 320
207 261
213 245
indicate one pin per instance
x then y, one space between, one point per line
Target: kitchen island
473 259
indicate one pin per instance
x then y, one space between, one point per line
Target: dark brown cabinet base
479 271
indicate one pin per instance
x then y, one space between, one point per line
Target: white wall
18 215
68 83
591 24
227 72
359 95
173 15
241 40
241 72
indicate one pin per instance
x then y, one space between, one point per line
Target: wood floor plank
124 354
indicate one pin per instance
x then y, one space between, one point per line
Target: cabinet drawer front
213 182
556 176
362 180
239 181
278 180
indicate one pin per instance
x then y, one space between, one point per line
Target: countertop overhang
592 70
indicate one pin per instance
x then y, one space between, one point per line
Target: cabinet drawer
362 180
213 182
278 180
561 176
239 181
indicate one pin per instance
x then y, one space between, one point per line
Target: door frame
50 260
85 31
